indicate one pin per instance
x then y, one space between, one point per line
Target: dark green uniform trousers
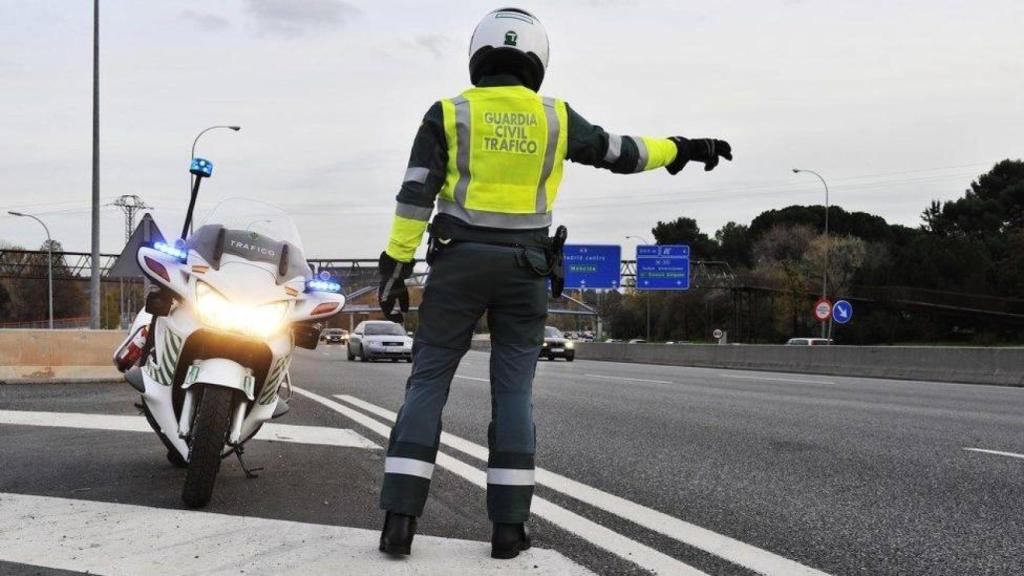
466 281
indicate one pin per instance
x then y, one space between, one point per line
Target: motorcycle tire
209 434
351 356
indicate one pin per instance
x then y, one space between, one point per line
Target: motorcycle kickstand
250 473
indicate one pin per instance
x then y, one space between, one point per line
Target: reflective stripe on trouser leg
511 434
414 439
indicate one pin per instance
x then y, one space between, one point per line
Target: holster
556 261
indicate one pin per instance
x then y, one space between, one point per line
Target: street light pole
647 294
824 270
94 274
49 258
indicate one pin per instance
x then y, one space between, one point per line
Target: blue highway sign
842 312
592 266
663 267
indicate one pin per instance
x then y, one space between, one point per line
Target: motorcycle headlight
218 312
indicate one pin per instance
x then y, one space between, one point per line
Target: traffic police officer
490 162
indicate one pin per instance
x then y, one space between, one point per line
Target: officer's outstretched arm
593 146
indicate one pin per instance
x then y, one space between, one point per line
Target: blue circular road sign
842 311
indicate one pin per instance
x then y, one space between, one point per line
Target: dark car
334 336
556 345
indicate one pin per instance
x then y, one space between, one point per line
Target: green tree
993 205
734 244
685 230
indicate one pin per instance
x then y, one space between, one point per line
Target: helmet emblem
510 38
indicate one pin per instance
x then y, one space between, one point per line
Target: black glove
706 150
392 286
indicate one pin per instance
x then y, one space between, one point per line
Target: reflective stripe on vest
506 148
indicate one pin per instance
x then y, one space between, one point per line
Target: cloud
205 20
436 44
298 17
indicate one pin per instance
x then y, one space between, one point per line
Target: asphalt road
680 470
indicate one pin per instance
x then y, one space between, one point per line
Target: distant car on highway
377 339
556 345
638 341
808 342
334 336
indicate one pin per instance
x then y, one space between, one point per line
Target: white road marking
110 538
473 378
321 435
599 376
626 548
774 379
730 549
996 452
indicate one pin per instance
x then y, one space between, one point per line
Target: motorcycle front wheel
209 434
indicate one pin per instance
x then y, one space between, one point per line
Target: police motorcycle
210 353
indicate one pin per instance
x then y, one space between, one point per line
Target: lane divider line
623 547
473 378
774 379
320 435
735 551
599 376
996 452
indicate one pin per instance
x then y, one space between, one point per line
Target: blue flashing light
177 252
323 286
201 167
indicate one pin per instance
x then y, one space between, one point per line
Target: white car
376 339
808 342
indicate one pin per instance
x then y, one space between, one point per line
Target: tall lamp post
94 275
824 269
647 296
191 177
49 258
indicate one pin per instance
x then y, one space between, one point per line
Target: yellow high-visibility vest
506 147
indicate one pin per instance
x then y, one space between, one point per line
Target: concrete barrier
58 355
999 366
996 366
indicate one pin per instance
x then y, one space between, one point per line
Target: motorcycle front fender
221 372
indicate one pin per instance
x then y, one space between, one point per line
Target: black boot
396 538
508 540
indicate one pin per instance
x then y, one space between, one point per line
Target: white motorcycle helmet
509 39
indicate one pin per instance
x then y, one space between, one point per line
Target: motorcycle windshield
254 231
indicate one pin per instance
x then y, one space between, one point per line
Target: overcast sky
895 102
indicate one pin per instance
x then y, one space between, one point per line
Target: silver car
379 339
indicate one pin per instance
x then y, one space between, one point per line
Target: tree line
958 277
